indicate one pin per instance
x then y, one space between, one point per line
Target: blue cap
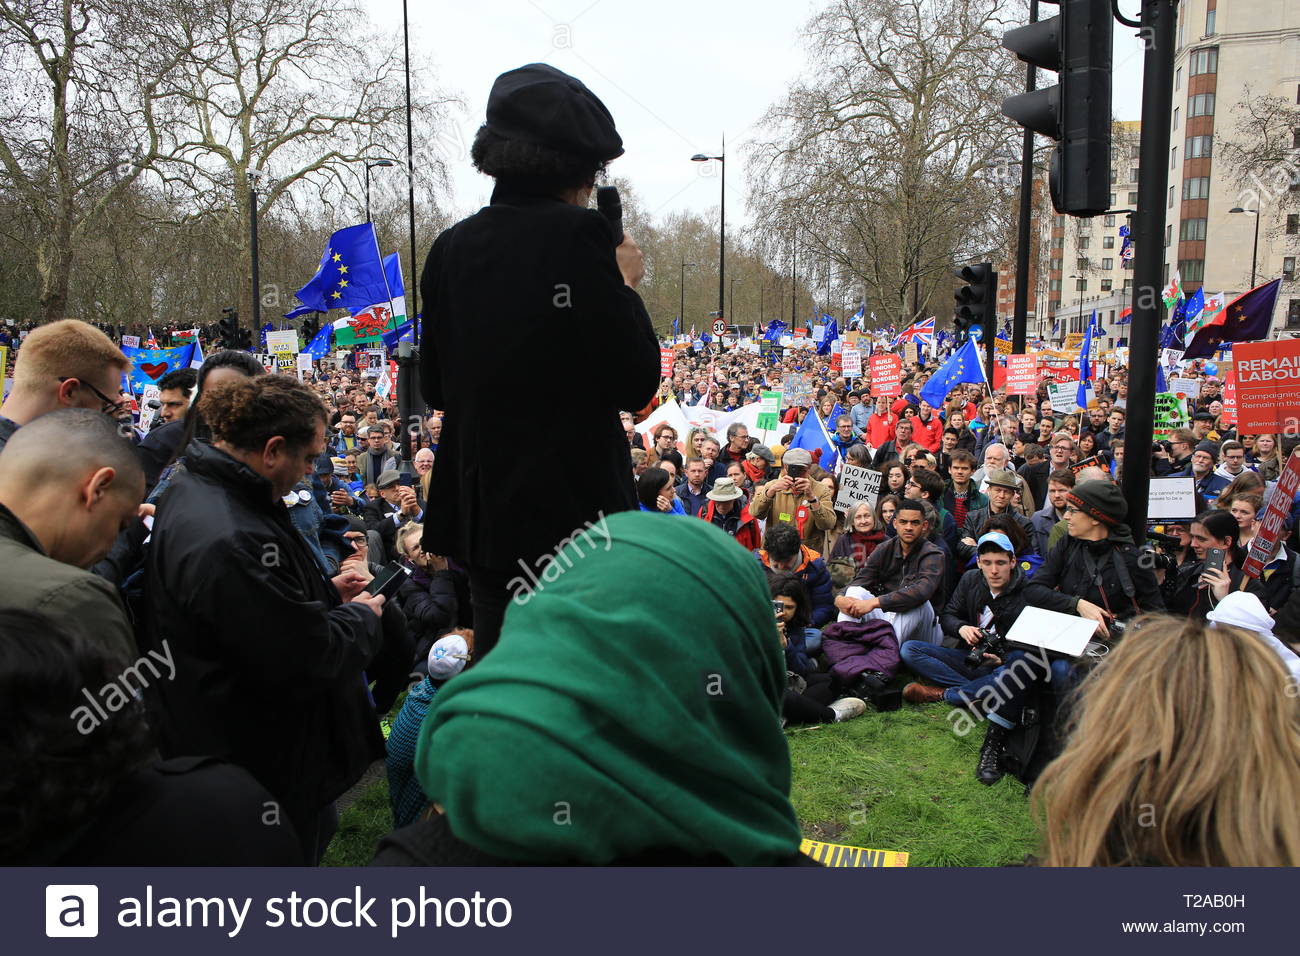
998 539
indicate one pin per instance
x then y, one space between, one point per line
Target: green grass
896 781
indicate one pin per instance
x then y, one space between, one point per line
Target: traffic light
244 340
1076 43
310 326
229 326
977 300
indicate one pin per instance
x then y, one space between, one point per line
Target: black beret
542 105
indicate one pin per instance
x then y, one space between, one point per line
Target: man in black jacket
1002 486
269 652
559 287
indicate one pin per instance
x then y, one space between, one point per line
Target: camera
990 642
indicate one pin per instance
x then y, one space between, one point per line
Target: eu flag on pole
351 274
774 330
832 333
1246 319
319 346
962 368
1085 367
812 434
148 366
403 333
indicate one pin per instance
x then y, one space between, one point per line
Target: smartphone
388 580
1214 559
778 608
406 479
796 471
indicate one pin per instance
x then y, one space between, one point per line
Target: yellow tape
837 854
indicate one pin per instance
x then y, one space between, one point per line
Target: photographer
988 599
1198 586
561 290
793 498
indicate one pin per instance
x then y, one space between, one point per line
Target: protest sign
1273 523
131 341
282 342
858 484
286 363
800 333
1185 387
886 376
1001 347
148 394
769 410
1169 412
1171 499
1062 398
1073 342
851 339
798 390
819 334
852 363
666 357
304 364
838 854
1093 462
910 354
1022 374
1268 386
1229 416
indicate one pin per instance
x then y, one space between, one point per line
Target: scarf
597 730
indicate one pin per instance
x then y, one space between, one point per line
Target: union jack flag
919 332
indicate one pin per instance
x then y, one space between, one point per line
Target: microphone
610 206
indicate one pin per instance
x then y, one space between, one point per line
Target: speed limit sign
719 327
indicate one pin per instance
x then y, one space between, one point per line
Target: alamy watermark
550 567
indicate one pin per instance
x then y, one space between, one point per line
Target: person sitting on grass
508 753
793 610
782 552
1185 751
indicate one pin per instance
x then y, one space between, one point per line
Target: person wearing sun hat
561 289
728 510
602 732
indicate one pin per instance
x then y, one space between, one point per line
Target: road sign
719 326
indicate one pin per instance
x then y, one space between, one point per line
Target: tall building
1229 50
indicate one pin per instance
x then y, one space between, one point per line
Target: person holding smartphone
1201 584
793 498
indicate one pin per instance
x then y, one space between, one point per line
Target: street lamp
1080 291
369 166
722 217
1254 250
681 309
732 311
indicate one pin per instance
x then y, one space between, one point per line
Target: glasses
1071 510
110 406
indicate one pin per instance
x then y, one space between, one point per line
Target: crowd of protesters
212 628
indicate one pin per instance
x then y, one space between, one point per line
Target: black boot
989 770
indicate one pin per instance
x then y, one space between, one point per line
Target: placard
800 333
304 364
1022 374
769 411
858 484
147 394
286 363
1073 342
1172 499
131 341
282 342
798 390
819 334
838 854
1093 462
1229 415
852 363
911 355
886 376
1169 412
1001 347
1185 387
666 357
1268 386
851 339
1273 524
1063 397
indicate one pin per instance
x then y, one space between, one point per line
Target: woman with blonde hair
1185 751
1268 457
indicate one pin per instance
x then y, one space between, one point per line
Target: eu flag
351 274
962 368
832 333
319 346
148 366
1246 319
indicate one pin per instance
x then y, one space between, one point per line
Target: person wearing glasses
65 364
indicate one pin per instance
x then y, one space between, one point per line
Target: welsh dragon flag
1174 291
367 325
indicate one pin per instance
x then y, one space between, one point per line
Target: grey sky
676 74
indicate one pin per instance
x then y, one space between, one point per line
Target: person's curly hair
248 413
59 774
530 167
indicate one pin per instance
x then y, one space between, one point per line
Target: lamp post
722 218
369 166
681 309
1254 249
1080 292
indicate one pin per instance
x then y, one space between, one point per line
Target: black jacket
268 660
527 285
1185 597
1066 568
429 603
972 595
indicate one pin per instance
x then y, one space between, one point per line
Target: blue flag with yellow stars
962 368
351 274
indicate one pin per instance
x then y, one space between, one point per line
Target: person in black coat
1002 488
535 280
269 653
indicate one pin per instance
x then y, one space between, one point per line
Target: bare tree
880 157
1261 151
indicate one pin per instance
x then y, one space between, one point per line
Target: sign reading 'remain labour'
1268 386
